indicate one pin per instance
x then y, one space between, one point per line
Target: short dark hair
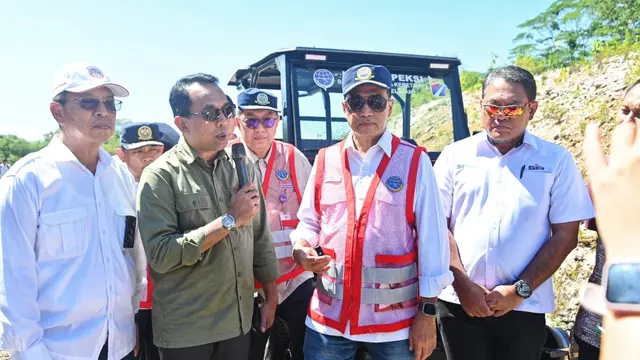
179 97
631 88
513 75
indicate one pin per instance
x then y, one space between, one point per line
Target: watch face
523 289
429 309
228 222
623 284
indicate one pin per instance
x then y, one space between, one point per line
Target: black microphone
239 156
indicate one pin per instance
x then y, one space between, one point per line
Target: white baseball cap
79 77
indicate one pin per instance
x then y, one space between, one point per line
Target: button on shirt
502 206
66 281
433 241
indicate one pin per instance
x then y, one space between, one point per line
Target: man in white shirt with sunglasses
513 203
69 286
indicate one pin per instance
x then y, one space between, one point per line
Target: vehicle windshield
422 101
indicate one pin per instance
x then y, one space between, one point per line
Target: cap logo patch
364 73
262 99
145 133
95 72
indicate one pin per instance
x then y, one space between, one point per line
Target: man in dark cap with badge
284 171
140 145
373 211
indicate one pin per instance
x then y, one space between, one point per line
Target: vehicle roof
347 56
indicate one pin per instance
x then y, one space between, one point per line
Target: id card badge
285 218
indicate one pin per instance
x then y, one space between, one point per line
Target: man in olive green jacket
206 242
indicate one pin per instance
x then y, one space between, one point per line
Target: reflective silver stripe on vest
284 252
389 275
369 296
378 275
281 236
336 271
282 243
389 296
329 288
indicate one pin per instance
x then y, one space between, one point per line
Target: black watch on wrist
428 308
523 289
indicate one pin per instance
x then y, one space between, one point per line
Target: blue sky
147 45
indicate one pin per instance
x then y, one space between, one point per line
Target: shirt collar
253 157
61 152
384 143
190 155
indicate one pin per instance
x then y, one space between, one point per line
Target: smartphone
318 249
129 232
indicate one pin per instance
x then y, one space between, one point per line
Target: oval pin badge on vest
283 198
282 175
394 183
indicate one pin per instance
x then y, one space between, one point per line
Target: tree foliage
569 31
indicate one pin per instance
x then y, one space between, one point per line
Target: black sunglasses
91 103
212 114
376 103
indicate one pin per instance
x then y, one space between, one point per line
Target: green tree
560 35
13 148
471 80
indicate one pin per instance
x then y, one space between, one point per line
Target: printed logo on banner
323 78
438 88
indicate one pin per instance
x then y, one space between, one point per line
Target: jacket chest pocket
62 234
333 201
388 206
194 210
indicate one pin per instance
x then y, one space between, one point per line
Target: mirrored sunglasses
252 123
507 111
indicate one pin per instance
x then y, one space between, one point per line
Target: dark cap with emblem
137 135
256 99
366 74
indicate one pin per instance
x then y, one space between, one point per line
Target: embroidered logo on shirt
282 175
394 183
537 167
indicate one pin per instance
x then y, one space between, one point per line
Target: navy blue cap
256 99
137 135
366 74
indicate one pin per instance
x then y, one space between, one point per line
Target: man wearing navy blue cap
284 172
372 206
140 145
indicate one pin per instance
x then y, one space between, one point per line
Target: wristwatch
428 308
229 222
523 289
620 289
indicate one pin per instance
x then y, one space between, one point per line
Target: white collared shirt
433 241
66 282
303 170
502 207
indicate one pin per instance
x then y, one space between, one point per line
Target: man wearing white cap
69 286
